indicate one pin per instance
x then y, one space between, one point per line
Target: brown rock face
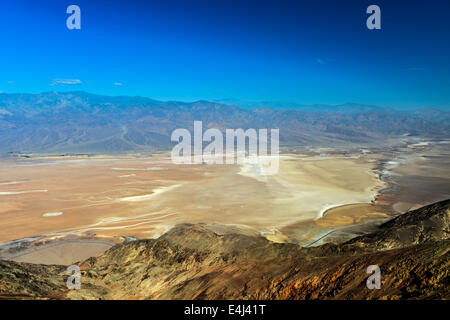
430 223
192 262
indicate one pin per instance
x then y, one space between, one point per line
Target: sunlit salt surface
10 183
150 196
7 193
52 214
139 169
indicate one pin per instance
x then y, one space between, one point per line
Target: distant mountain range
80 122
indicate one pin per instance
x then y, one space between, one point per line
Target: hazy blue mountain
84 122
346 108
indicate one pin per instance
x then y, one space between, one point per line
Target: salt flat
311 195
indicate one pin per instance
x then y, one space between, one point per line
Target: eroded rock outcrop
193 262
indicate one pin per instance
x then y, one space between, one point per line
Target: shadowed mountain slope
193 262
430 223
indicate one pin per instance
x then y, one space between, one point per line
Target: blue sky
301 51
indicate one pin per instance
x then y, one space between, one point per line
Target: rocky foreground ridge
193 262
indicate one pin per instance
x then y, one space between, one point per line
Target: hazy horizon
243 103
300 52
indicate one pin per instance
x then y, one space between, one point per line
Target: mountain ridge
79 122
193 262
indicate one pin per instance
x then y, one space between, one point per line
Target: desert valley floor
73 207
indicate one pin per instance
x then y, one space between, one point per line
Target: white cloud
119 84
56 82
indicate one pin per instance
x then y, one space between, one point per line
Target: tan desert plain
62 209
